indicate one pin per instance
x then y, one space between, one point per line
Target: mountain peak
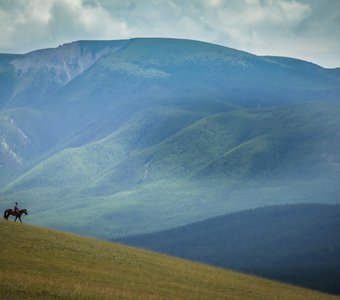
66 61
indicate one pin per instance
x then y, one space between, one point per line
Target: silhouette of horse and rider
16 212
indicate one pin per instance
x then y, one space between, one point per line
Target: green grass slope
44 264
25 134
163 168
154 145
299 243
78 166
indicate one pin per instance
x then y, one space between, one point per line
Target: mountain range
184 147
115 138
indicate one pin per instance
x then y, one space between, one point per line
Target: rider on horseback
16 207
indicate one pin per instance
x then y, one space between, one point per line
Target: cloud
22 23
75 18
252 23
39 24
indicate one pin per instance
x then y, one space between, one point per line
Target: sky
304 29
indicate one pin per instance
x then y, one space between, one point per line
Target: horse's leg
15 218
20 219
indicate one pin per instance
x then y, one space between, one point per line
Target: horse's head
25 211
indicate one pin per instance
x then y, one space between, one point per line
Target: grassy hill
162 167
38 263
141 135
297 243
25 135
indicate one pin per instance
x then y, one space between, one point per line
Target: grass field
38 263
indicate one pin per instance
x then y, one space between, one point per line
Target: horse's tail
6 214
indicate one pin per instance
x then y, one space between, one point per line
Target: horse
16 213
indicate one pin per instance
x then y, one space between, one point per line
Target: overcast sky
305 29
